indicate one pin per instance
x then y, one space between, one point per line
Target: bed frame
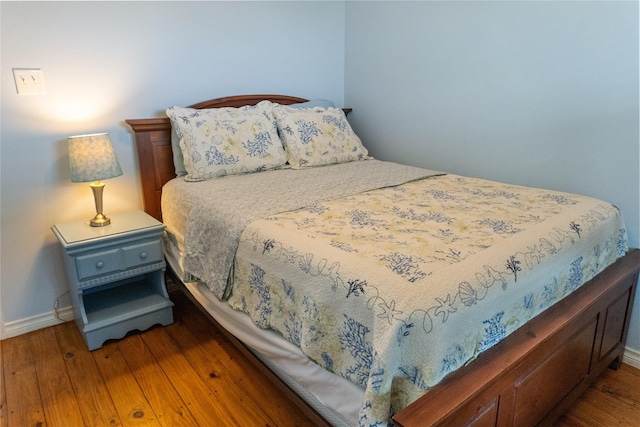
530 378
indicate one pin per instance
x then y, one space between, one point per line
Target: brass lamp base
99 220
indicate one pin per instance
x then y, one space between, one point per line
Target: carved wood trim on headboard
153 143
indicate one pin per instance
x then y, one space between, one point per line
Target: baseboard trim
631 357
30 324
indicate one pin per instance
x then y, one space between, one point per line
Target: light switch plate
29 81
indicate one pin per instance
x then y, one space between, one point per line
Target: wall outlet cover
29 81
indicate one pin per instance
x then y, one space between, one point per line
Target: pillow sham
178 160
226 141
317 136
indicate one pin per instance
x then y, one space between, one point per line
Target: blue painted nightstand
116 275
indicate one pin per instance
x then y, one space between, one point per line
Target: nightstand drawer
98 264
144 253
115 260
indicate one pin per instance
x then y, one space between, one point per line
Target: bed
503 334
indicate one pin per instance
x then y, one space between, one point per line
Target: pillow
225 141
317 136
178 160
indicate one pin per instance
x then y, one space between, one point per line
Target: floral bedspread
205 219
396 287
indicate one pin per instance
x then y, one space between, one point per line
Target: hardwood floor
189 374
185 374
613 400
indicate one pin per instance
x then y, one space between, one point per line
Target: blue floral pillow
225 141
317 136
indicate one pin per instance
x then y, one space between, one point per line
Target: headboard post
155 160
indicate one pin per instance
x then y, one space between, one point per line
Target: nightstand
115 275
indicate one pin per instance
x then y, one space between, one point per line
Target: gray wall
543 94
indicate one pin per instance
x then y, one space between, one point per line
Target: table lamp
92 158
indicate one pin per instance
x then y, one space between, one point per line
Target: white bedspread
394 288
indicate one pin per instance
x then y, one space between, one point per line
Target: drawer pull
143 255
99 264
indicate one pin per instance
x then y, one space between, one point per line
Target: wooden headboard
153 142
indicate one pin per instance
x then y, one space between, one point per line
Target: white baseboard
631 357
30 324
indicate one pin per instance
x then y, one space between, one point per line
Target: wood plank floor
189 374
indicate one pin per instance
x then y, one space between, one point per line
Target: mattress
317 386
395 284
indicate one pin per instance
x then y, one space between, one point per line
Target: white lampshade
92 158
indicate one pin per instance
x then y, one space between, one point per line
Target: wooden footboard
535 374
529 378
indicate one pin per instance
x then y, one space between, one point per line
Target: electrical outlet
29 81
